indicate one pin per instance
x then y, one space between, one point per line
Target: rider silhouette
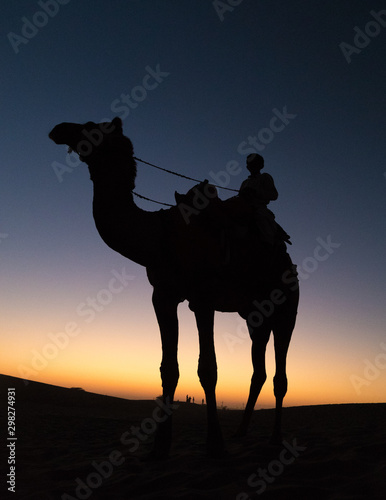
258 190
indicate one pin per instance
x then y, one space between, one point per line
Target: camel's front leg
166 311
207 372
260 336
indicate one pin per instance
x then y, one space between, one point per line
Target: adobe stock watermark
371 371
123 105
222 178
364 36
254 144
275 468
88 309
265 308
221 7
31 26
132 439
277 124
137 94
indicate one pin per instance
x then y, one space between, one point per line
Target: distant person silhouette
258 190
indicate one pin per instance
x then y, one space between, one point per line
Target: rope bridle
173 173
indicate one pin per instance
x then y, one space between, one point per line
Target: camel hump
199 195
199 204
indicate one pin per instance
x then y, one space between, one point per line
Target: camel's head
88 138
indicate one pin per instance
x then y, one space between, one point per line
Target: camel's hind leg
166 311
260 336
282 337
284 324
207 372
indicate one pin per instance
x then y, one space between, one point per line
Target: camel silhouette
202 251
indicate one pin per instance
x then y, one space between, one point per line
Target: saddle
226 234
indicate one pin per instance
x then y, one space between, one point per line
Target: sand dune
73 444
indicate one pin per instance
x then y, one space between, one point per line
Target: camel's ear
117 122
178 197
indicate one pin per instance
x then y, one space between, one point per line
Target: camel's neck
121 224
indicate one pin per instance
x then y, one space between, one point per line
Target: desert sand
72 444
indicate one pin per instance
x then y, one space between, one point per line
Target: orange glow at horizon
320 368
306 386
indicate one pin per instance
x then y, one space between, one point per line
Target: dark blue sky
220 81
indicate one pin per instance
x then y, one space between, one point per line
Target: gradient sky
223 76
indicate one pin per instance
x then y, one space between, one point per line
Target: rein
173 173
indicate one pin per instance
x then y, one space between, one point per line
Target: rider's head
255 163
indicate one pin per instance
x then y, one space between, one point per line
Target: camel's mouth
66 133
84 138
53 136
